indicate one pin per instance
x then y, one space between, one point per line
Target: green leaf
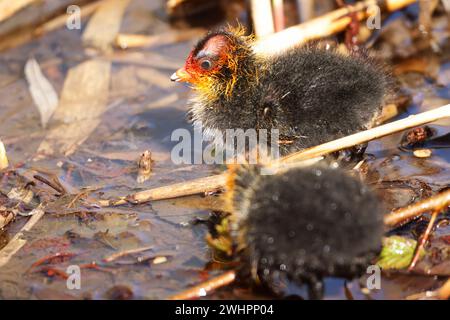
397 252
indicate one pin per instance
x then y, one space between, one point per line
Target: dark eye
206 64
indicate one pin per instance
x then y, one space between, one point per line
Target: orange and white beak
181 75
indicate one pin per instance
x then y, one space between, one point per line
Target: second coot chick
302 225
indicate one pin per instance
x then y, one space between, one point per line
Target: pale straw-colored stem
206 287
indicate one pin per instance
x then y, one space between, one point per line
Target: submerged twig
48 259
403 215
216 182
120 254
423 240
172 191
204 288
94 266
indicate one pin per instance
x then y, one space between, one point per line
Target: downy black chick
312 93
302 225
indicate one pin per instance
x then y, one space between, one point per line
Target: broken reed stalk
262 17
403 215
213 183
17 242
324 26
206 287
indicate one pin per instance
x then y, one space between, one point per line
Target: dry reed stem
203 289
172 191
371 134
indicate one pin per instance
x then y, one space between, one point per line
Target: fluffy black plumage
304 224
312 93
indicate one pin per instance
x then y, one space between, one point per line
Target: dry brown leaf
42 91
104 26
83 100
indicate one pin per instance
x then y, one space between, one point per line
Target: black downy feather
304 224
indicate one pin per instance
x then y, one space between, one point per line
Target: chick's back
317 94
